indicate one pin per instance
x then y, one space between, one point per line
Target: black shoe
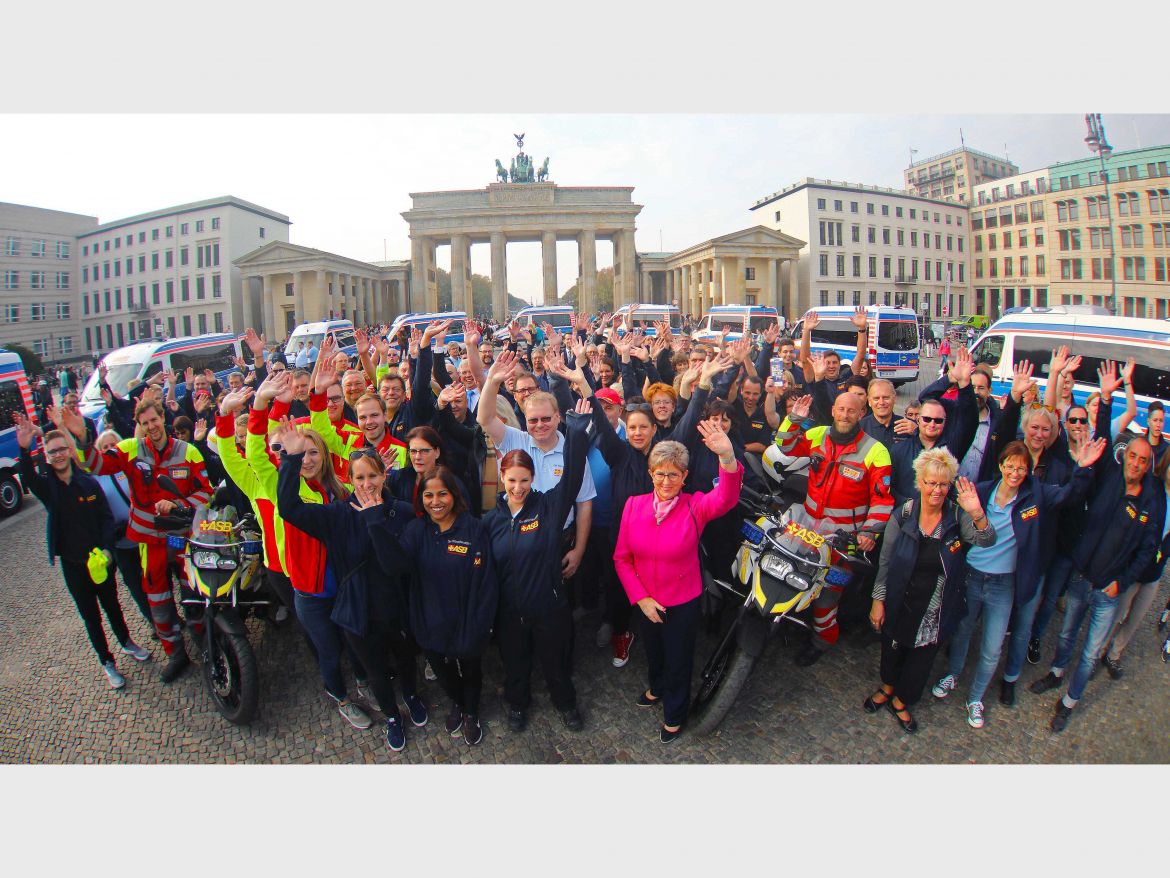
517 720
455 720
1007 693
1114 668
871 706
176 664
1048 681
1060 720
810 655
1034 651
909 725
472 730
644 701
667 737
572 720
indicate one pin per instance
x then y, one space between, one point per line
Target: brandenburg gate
523 206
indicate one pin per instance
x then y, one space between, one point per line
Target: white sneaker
117 681
429 672
136 652
366 694
975 715
943 687
354 715
604 635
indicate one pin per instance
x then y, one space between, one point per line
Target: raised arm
861 322
485 412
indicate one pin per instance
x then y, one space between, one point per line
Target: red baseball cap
608 394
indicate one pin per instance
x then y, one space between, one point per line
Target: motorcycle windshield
801 543
209 531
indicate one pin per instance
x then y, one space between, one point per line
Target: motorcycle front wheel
724 677
233 681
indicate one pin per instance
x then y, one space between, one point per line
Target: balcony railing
906 279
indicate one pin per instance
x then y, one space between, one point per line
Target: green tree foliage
31 362
481 295
604 292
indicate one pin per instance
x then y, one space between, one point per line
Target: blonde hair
1031 414
936 462
671 452
327 475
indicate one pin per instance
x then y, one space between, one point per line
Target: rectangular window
185 290
11 312
749 273
853 207
824 264
117 268
154 293
129 265
200 289
118 299
198 225
885 236
170 231
171 296
886 267
11 279
38 249
62 249
38 310
142 263
37 280
898 212
202 324
820 204
838 204
199 256
217 289
872 235
219 321
873 266
183 256
186 324
184 228
901 238
62 280
913 238
63 310
856 233
154 234
857 266
170 259
885 210
841 265
869 207
262 231
1023 266
215 223
154 260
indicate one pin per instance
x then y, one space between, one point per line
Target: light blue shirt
549 464
1000 557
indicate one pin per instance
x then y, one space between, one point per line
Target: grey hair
936 461
670 452
885 381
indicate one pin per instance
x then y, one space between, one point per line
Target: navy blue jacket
84 510
453 587
900 554
366 593
1005 430
958 432
1153 572
526 548
1034 515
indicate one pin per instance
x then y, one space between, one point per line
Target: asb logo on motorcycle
805 535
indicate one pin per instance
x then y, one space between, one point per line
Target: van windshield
732 321
897 335
557 318
762 322
121 378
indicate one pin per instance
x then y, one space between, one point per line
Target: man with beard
944 389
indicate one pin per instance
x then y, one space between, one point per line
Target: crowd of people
423 502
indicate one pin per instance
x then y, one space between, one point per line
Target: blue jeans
1055 584
1082 599
313 614
1022 617
990 595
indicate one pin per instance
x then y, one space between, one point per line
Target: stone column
716 290
298 297
772 266
794 302
704 285
627 257
432 288
499 276
647 287
273 329
548 249
418 272
460 257
316 302
692 272
587 269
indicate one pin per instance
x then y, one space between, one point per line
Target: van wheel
11 495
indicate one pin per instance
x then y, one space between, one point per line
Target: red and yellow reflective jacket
848 485
141 462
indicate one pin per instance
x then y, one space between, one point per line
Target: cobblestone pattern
56 706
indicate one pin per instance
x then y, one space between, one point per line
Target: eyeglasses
56 452
1077 420
524 391
927 419
416 451
936 486
1008 468
544 419
335 399
666 477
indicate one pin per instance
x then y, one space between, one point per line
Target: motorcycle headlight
226 563
774 566
206 560
798 581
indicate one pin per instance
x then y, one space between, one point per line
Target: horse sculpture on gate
501 172
542 174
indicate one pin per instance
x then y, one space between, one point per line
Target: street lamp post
1098 143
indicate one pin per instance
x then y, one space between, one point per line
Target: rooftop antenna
912 152
962 142
1006 157
660 241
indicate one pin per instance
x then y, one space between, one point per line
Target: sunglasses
1078 420
544 419
643 407
927 419
367 451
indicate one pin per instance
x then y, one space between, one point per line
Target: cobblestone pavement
56 707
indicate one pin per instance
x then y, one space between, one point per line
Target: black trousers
597 566
373 650
130 566
461 679
670 654
548 637
907 669
88 595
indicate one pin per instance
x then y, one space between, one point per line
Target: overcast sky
344 180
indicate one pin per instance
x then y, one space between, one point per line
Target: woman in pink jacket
657 560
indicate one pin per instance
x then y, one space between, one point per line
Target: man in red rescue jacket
848 489
142 460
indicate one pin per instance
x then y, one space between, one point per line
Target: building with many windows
39 281
169 272
1010 263
870 245
1080 214
953 175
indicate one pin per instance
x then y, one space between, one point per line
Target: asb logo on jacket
529 527
454 548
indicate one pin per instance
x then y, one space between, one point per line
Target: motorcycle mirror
168 484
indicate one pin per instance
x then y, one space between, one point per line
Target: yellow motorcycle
779 571
222 553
